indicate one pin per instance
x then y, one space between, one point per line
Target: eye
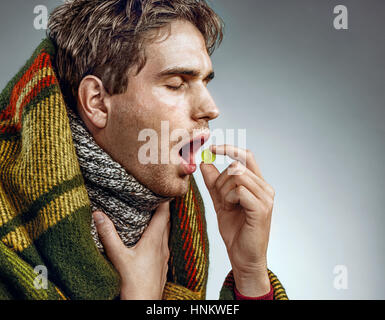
174 88
174 83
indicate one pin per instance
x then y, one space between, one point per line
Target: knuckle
270 190
106 230
238 190
234 164
238 178
249 155
217 185
267 206
223 194
270 203
167 255
105 235
234 171
107 224
166 219
241 169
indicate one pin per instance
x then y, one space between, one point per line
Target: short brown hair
105 38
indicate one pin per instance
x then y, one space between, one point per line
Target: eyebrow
185 72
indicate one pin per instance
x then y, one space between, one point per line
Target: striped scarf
45 211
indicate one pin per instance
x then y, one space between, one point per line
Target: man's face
171 87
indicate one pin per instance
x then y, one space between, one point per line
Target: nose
205 106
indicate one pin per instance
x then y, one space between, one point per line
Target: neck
111 189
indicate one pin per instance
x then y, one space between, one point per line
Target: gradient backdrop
312 101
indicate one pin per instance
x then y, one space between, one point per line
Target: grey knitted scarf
111 189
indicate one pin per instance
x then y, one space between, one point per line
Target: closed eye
174 88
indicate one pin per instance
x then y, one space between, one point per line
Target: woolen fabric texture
45 209
111 189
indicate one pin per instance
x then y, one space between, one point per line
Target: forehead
180 44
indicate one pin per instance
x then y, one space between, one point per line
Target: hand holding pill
243 202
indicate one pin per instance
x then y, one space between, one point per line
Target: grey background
312 101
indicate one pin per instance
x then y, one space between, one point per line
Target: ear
93 101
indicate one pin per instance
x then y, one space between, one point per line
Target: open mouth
188 151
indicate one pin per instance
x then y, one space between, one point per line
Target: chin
177 187
166 183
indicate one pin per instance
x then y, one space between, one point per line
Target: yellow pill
208 156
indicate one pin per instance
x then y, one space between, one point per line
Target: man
125 67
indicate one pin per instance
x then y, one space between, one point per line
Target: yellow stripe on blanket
62 206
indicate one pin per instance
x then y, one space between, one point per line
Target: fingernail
98 217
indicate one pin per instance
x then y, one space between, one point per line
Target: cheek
165 100
131 111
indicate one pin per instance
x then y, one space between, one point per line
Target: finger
244 156
240 195
165 249
110 239
158 223
225 176
210 174
166 235
235 168
247 182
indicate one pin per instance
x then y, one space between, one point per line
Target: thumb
210 175
110 239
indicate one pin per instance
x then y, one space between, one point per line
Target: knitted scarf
111 189
45 209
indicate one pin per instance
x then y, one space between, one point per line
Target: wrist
128 292
254 284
